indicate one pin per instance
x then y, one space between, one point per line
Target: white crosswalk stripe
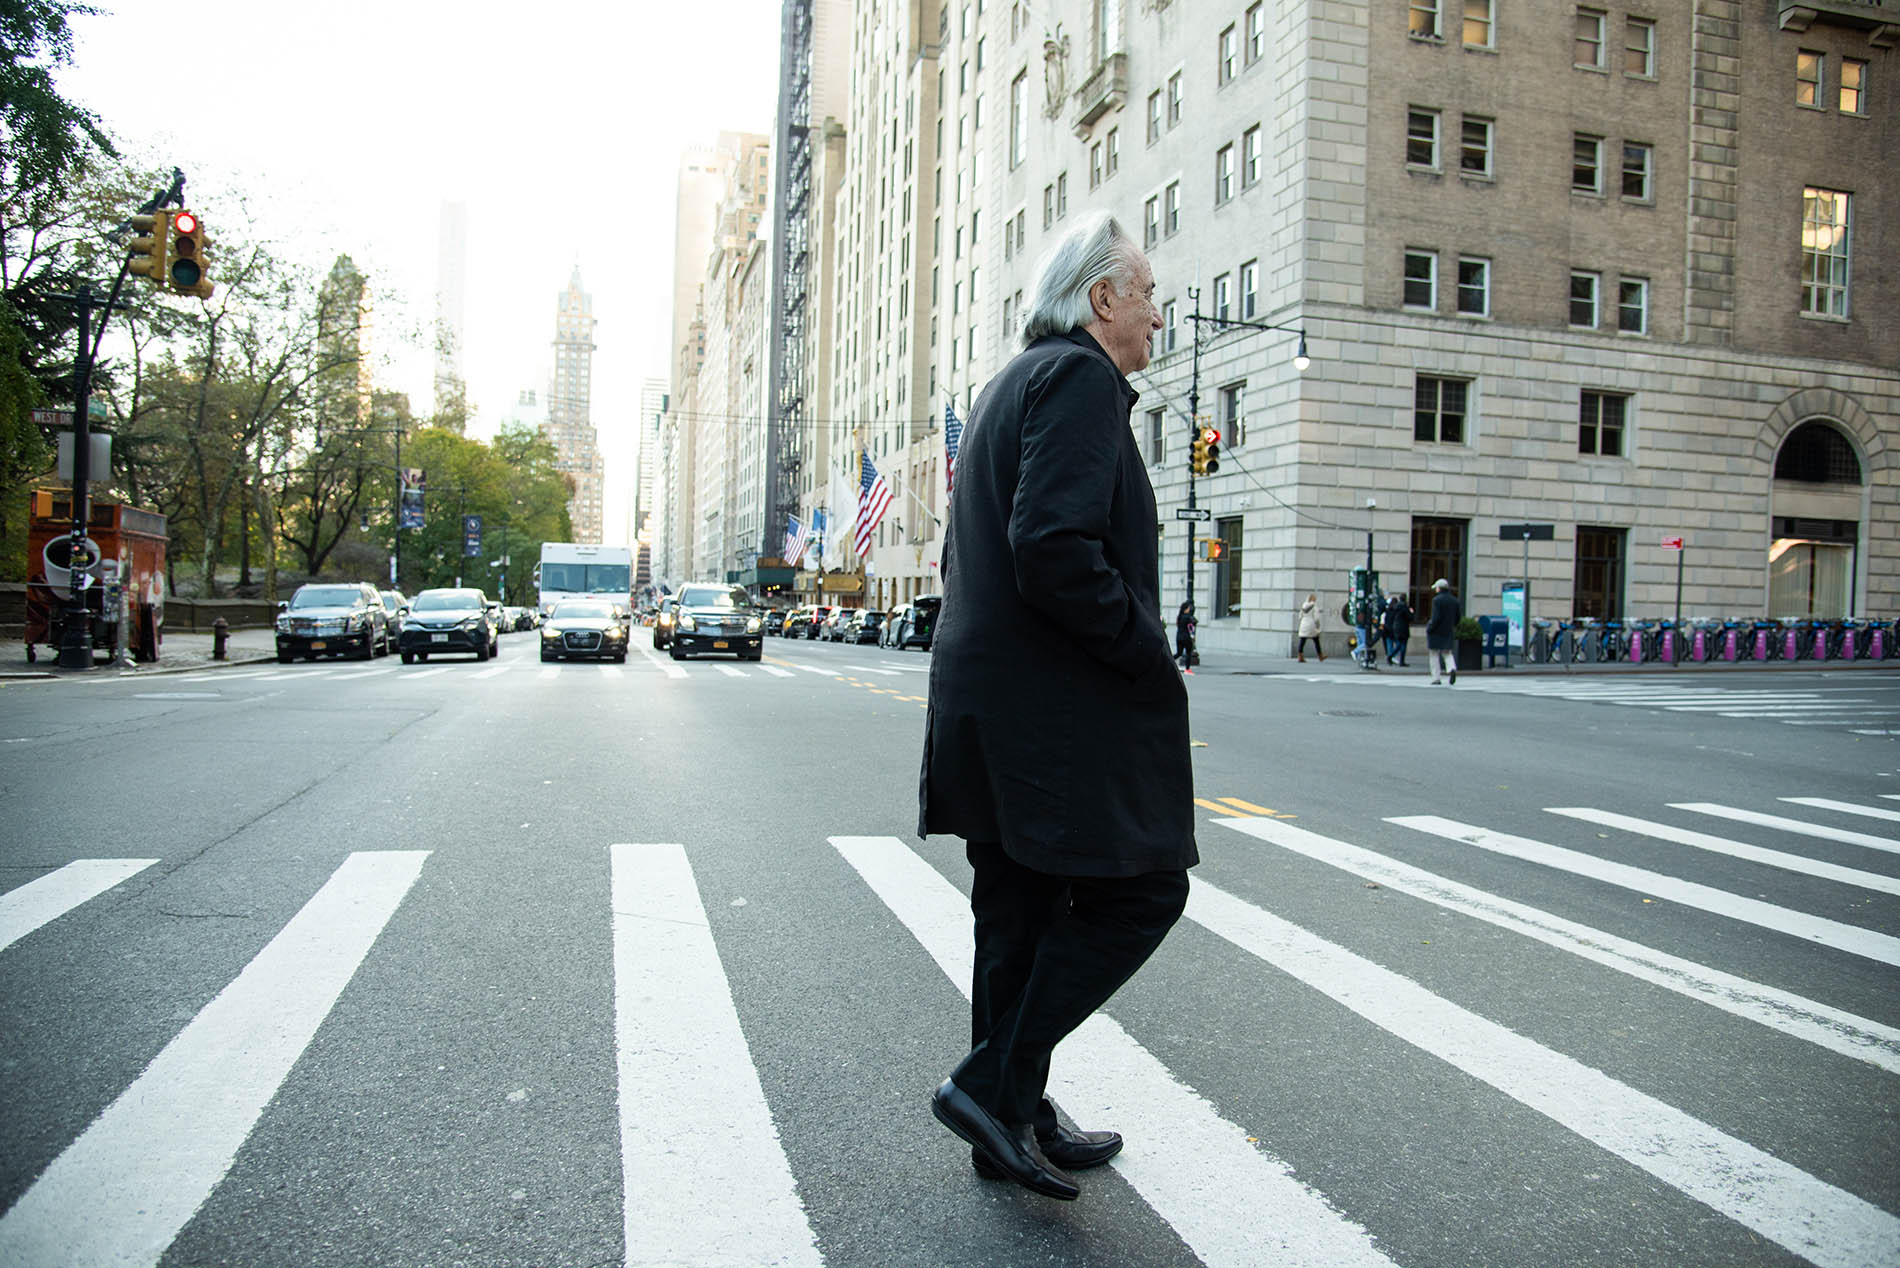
1782 824
38 902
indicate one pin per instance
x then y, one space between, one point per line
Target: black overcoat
1058 723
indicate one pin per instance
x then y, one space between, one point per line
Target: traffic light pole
1194 432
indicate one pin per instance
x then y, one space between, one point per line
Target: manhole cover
1345 713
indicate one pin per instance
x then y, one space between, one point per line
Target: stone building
570 426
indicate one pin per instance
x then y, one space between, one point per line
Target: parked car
892 623
333 619
920 625
819 615
584 627
862 626
717 618
798 623
396 606
448 620
663 622
775 621
827 629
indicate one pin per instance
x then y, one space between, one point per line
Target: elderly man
1057 739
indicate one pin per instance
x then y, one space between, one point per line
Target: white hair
1095 250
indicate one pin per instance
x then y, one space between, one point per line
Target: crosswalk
1866 706
698 1122
645 665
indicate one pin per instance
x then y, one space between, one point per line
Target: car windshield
872 618
445 600
391 600
585 611
578 578
325 597
713 597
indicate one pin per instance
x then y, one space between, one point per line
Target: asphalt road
514 964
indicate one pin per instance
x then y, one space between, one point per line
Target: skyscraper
570 425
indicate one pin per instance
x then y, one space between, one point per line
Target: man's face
1131 319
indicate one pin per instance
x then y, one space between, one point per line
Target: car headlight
354 622
616 631
754 625
686 622
283 625
549 632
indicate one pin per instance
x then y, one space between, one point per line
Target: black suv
333 619
447 620
715 618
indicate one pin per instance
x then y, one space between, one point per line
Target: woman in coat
1309 627
1184 636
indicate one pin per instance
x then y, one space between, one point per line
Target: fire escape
788 431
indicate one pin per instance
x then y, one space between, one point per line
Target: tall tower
570 424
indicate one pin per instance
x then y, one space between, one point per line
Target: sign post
1675 544
1527 533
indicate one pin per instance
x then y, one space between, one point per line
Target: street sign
1199 513
1672 543
1527 532
52 417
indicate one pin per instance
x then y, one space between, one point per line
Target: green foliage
512 484
42 135
1468 629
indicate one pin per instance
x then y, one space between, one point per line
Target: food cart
122 571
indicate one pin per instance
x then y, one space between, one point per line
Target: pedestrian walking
1441 630
1309 627
1396 625
1184 630
1365 618
1055 743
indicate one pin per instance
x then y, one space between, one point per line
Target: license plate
438 638
318 645
719 644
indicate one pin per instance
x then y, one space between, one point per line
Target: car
584 627
497 617
775 621
396 604
893 621
448 619
663 623
920 626
833 629
819 615
862 626
716 618
797 623
325 618
514 619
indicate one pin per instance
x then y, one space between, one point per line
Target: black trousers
1050 950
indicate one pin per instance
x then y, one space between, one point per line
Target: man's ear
1100 298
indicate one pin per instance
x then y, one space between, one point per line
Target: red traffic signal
185 258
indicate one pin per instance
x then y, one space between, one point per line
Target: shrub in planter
1470 650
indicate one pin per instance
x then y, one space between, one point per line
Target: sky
341 128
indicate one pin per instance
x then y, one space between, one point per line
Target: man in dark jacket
1057 739
1441 631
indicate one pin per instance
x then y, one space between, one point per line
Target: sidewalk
178 653
1342 665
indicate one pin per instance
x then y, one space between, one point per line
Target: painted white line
149 1161
1829 933
368 673
1817 706
296 673
873 669
550 671
813 669
490 673
1183 1151
1805 1019
47 898
776 672
1734 849
732 672
667 666
706 1178
409 675
1796 826
1788 1206
612 671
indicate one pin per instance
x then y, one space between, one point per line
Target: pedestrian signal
147 258
185 257
1213 549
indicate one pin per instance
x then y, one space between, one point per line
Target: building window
1250 289
1228 56
1171 209
1586 164
1853 86
1095 165
1424 20
1062 195
1174 100
1632 305
1421 138
1048 205
1474 155
1810 71
1639 48
1224 296
1223 174
1256 31
1157 436
1636 168
1112 151
1151 223
1477 23
1438 410
1438 550
1154 116
1170 324
1018 120
1250 156
1600 424
1227 591
1474 286
1421 280
1233 420
1589 43
1583 300
1826 223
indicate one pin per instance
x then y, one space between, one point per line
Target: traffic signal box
1204 455
185 256
148 248
1213 549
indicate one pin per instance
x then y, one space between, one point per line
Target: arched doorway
1814 548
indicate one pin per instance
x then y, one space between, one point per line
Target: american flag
874 498
952 437
797 537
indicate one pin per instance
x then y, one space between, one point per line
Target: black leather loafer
1070 1150
1013 1151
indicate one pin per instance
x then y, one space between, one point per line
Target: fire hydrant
220 632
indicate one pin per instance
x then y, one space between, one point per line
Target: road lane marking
47 898
813 669
1845 807
1796 826
732 671
150 1160
706 1177
412 674
369 673
612 671
776 672
1184 1150
1784 1204
1734 849
667 666
550 671
1821 1024
1816 929
490 673
873 669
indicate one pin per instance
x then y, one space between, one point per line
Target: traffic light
1197 455
148 249
1213 549
1210 450
185 257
